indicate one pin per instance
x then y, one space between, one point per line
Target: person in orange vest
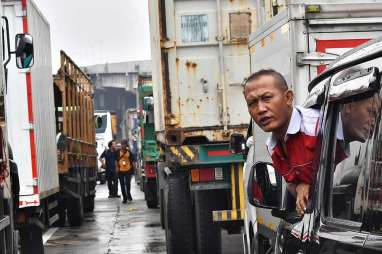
293 131
125 171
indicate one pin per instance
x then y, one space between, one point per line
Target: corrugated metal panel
43 100
186 64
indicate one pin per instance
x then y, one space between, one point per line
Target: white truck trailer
200 59
299 39
31 126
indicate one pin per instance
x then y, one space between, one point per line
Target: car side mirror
24 51
237 143
265 186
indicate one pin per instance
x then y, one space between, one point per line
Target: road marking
48 234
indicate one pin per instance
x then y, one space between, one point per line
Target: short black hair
110 143
280 80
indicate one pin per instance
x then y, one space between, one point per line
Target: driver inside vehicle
293 140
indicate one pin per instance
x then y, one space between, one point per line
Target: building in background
115 87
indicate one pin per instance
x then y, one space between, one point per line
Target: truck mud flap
237 197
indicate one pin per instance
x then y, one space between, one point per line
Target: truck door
208 59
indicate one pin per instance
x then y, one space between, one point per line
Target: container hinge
315 58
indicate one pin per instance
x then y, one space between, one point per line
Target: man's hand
302 191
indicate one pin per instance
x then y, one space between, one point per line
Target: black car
344 213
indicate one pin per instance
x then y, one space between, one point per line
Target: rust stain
188 65
193 65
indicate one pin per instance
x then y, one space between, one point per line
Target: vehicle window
354 145
373 213
100 123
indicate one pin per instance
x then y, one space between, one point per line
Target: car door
349 178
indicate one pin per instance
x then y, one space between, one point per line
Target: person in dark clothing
14 174
110 157
125 171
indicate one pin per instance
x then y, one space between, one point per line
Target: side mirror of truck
265 186
237 143
24 51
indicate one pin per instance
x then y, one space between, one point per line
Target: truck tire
89 204
208 235
75 212
151 204
61 211
179 220
31 240
162 207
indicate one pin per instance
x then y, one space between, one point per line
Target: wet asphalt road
116 228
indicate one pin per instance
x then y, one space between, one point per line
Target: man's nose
261 107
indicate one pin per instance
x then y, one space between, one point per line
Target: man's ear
289 97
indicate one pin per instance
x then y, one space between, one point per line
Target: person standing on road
109 158
293 130
125 171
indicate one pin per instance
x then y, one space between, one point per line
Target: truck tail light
207 174
150 170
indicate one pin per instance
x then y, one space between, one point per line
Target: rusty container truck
76 144
200 60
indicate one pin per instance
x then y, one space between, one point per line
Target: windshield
100 123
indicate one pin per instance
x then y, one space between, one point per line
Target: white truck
31 124
299 39
104 134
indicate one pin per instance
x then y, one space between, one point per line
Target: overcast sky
98 31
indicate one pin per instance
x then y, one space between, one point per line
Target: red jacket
300 145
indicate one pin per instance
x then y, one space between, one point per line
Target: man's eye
267 98
251 104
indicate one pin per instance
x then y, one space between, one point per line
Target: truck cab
343 214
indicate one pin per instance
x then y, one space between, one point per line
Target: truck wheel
61 211
75 212
31 239
151 204
179 222
208 235
89 204
162 207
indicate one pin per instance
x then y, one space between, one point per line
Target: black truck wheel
31 240
61 211
179 219
89 204
151 195
208 235
75 212
151 204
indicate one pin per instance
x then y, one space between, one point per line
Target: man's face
112 146
359 118
269 106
